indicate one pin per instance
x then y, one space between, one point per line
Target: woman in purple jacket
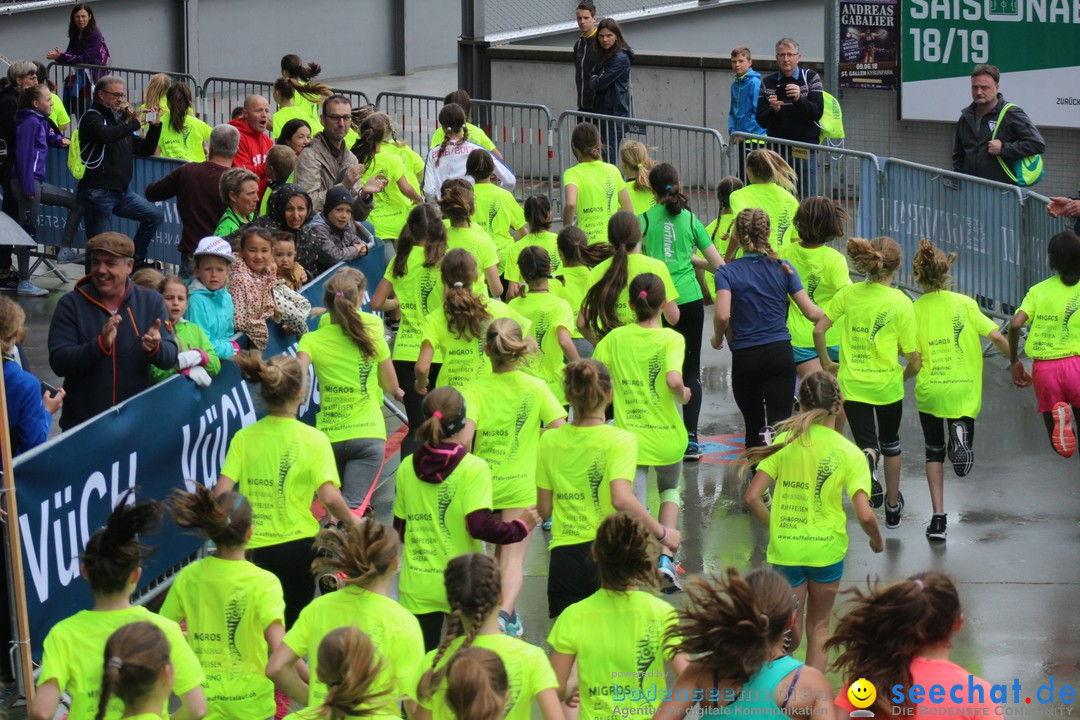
86 46
34 134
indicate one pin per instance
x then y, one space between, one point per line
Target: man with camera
789 107
108 135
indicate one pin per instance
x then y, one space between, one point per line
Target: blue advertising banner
160 440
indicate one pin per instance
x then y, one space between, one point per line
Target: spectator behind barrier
29 410
20 75
86 46
195 187
586 51
254 142
107 332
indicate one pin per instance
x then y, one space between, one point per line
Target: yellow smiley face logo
862 693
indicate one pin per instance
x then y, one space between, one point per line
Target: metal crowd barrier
136 81
699 153
220 95
980 220
1037 229
358 98
522 133
849 177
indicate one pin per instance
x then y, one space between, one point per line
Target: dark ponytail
423 226
647 296
664 180
599 306
135 656
114 552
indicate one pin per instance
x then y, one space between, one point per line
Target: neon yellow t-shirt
546 240
508 409
576 282
528 671
310 110
350 397
59 114
285 114
639 360
227 606
1055 326
279 464
462 358
548 312
578 465
392 207
778 204
621 656
479 244
420 293
474 135
393 630
823 271
642 200
414 164
598 184
498 212
718 231
73 654
435 530
186 144
636 264
876 324
808 525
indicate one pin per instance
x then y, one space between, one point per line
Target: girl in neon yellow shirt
458 204
875 320
607 303
593 190
457 329
578 259
621 658
737 630
137 671
414 279
1053 343
443 509
393 204
364 561
72 651
473 590
497 210
279 464
183 135
586 472
948 390
636 164
552 320
719 232
504 412
807 523
477 686
234 611
538 219
349 664
771 188
645 361
352 364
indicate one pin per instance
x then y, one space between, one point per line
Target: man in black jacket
108 135
974 153
789 106
586 51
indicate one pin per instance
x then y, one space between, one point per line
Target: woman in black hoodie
611 82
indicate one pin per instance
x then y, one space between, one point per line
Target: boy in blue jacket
742 117
210 306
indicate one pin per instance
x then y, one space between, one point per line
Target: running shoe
936 529
669 575
1063 437
693 451
767 435
69 255
961 455
546 525
514 628
877 493
892 514
27 288
9 282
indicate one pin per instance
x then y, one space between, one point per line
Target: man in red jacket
254 142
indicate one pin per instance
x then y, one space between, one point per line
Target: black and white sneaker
936 529
961 455
892 514
877 493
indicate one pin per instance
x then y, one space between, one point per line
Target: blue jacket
96 378
33 136
744 96
28 419
212 310
611 81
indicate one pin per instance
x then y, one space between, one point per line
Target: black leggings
691 321
290 562
431 627
763 383
406 373
934 430
885 439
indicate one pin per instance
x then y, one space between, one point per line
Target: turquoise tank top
757 695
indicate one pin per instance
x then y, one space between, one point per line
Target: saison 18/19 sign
1032 42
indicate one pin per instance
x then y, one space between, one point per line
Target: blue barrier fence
158 441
